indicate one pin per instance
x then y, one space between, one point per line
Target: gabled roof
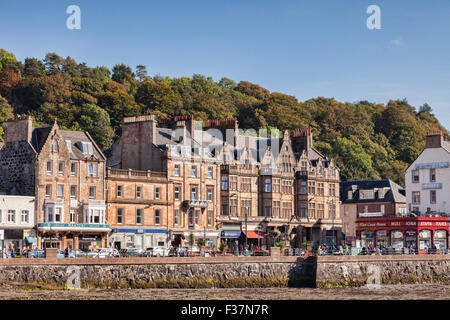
39 136
75 138
395 193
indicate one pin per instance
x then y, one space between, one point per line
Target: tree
95 120
6 113
141 73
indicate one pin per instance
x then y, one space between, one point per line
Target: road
390 292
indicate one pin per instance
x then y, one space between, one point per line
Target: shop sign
381 234
367 234
432 165
396 223
397 234
441 224
410 223
89 238
441 234
425 223
411 233
425 234
378 224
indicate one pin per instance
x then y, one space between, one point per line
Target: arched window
54 145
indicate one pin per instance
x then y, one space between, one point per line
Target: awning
230 234
29 239
253 234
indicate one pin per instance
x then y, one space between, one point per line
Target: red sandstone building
402 232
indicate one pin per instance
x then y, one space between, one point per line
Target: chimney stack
434 140
19 129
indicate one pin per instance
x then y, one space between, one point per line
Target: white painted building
17 221
427 180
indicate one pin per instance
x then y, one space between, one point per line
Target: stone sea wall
226 272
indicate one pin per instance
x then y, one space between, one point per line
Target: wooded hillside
367 140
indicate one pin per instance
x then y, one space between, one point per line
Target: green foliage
367 140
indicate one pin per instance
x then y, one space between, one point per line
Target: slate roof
395 194
79 136
39 136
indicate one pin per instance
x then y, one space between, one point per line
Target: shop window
424 240
397 239
440 237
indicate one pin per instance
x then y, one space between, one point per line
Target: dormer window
85 147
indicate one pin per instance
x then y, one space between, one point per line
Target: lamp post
246 234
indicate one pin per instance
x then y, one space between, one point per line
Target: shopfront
84 236
440 239
231 234
366 238
397 240
141 239
411 239
421 233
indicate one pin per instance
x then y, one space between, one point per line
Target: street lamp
331 202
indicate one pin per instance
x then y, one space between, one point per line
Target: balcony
134 174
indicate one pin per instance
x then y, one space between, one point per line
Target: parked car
61 254
34 253
156 252
78 253
188 251
106 253
131 252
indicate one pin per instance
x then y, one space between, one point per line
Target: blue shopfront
139 238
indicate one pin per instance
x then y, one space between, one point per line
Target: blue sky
304 48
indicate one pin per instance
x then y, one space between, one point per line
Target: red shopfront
420 232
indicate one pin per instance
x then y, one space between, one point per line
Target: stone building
168 146
368 199
140 207
65 172
17 222
316 193
427 180
232 185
